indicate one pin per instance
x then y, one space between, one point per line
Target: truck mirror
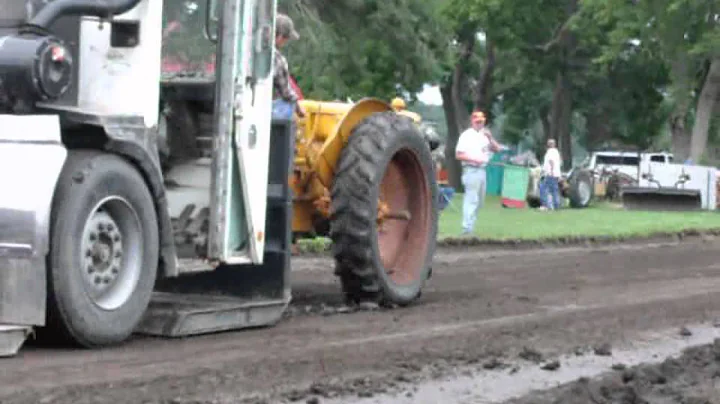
211 20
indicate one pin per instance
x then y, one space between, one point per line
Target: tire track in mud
515 380
474 308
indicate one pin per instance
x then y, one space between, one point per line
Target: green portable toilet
495 171
515 186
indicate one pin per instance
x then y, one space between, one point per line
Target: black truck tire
103 255
386 156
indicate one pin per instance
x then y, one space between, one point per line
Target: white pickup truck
580 180
625 162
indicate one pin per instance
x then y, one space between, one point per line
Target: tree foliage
378 48
588 72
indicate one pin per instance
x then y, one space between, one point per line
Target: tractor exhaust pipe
98 8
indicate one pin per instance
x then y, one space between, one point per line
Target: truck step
12 338
183 314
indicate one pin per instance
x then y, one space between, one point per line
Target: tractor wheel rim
403 243
111 253
584 191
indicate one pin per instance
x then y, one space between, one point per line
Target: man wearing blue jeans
474 149
550 182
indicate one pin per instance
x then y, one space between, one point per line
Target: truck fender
32 156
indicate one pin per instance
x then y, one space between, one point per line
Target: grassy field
497 223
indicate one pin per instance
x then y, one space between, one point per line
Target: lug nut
90 269
110 227
97 280
115 270
93 236
101 227
88 253
116 238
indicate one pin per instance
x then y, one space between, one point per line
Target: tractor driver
285 100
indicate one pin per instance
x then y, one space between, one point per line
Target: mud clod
652 375
628 375
604 349
551 366
494 363
531 355
685 332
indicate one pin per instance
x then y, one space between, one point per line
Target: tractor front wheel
383 217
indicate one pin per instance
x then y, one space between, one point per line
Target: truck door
243 113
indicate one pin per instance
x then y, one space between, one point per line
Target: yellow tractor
363 174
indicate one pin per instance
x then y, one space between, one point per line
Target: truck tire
581 189
103 254
385 157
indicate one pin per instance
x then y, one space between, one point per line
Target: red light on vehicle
58 54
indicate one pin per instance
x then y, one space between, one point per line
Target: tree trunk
545 121
598 129
704 111
560 116
680 134
452 165
456 115
561 109
483 91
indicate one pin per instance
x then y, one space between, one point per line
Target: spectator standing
474 149
550 182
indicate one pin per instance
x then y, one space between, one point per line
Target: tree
358 49
685 34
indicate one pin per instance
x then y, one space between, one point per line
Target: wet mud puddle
493 386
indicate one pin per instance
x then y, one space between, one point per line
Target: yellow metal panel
412 115
333 146
600 189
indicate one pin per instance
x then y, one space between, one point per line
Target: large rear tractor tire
581 189
382 254
104 251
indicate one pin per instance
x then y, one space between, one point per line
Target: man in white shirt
552 164
474 149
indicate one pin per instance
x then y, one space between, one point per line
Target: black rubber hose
99 8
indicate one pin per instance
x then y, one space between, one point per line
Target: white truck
624 162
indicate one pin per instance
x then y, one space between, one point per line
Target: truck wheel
104 251
385 171
581 189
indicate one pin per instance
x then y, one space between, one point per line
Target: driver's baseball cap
285 27
478 116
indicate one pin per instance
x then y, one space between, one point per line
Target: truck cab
98 216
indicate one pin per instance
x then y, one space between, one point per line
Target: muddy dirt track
484 311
